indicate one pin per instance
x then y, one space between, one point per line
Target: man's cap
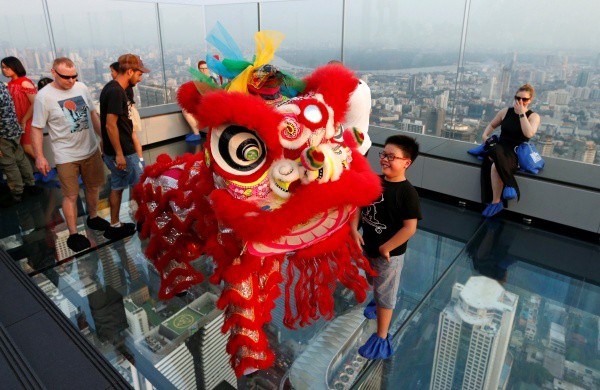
131 61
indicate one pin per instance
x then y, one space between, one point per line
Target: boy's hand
384 252
357 237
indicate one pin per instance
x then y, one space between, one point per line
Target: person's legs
385 285
92 175
119 180
115 205
384 318
91 201
9 165
69 206
67 175
497 184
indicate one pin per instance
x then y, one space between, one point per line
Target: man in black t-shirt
387 224
120 142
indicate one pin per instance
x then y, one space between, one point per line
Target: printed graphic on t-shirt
369 215
76 111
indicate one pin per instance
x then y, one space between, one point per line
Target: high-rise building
546 145
412 84
411 126
137 319
473 334
191 346
441 101
489 91
583 150
433 118
459 131
505 83
583 79
151 96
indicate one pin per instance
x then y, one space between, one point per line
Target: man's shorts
90 169
121 179
386 283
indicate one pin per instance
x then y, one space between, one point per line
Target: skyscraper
473 334
583 79
505 83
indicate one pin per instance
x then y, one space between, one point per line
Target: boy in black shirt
119 140
387 225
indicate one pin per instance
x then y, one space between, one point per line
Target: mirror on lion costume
275 183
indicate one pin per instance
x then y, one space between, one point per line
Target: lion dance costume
276 183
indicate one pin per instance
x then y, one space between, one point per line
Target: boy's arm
408 229
354 229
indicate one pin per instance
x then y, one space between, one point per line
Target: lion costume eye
237 150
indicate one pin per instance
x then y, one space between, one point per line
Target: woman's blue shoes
371 310
509 193
492 209
377 348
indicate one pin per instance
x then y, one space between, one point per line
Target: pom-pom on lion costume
275 183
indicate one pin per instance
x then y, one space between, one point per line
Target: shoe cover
193 138
492 209
377 348
509 193
371 310
51 175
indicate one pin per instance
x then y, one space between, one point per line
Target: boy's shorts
121 179
386 283
90 169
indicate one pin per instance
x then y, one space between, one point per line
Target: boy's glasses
522 98
390 157
62 76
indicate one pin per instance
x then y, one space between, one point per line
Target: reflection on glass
240 20
24 35
407 53
183 32
473 333
528 328
313 32
99 32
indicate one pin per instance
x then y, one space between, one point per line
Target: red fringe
315 272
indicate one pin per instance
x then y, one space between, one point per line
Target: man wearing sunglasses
65 107
120 141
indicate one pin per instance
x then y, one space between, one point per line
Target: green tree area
529 373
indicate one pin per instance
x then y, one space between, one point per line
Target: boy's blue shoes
193 138
377 348
371 310
509 193
492 209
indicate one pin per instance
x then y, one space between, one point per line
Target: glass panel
407 51
35 233
183 33
110 294
550 51
105 30
240 20
25 36
313 32
497 321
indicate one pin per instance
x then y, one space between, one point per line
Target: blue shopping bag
529 158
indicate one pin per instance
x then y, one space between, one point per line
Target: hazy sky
535 26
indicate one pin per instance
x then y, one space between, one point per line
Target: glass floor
476 305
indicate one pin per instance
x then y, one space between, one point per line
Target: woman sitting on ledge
517 125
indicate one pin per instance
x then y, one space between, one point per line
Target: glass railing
436 75
495 320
